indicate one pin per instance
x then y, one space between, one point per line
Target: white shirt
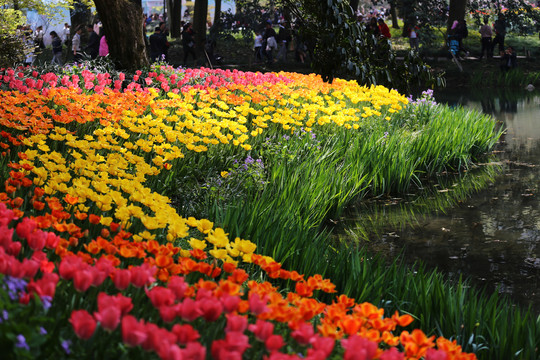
39 34
76 45
65 34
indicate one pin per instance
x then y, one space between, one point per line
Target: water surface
484 224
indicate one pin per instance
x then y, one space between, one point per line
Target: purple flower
14 287
4 316
46 302
65 345
21 342
42 331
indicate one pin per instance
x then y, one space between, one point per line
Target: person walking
269 42
66 32
414 40
373 28
38 37
188 43
65 36
103 45
92 48
76 45
500 33
158 46
56 48
284 40
461 32
383 29
486 33
257 46
165 34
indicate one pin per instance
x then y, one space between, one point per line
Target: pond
483 224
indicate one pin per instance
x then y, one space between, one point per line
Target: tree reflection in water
483 224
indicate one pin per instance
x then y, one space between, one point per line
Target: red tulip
262 329
323 344
5 236
433 354
14 248
257 305
121 278
142 275
83 279
274 343
358 348
46 286
109 318
236 323
393 354
133 332
189 310
230 303
52 240
119 301
303 333
160 296
37 240
168 313
178 286
83 324
25 228
185 334
170 352
194 351
69 266
211 309
29 268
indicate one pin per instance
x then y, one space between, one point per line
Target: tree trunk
217 12
354 5
456 11
199 23
123 23
393 14
175 15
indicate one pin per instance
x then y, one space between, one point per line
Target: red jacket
385 31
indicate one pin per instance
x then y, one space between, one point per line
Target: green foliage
430 18
11 45
521 17
251 14
515 78
343 48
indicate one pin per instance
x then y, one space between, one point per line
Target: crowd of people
64 47
275 42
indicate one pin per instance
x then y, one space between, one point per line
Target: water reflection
484 225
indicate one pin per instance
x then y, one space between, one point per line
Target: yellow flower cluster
109 168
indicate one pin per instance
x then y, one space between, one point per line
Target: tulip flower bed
95 261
